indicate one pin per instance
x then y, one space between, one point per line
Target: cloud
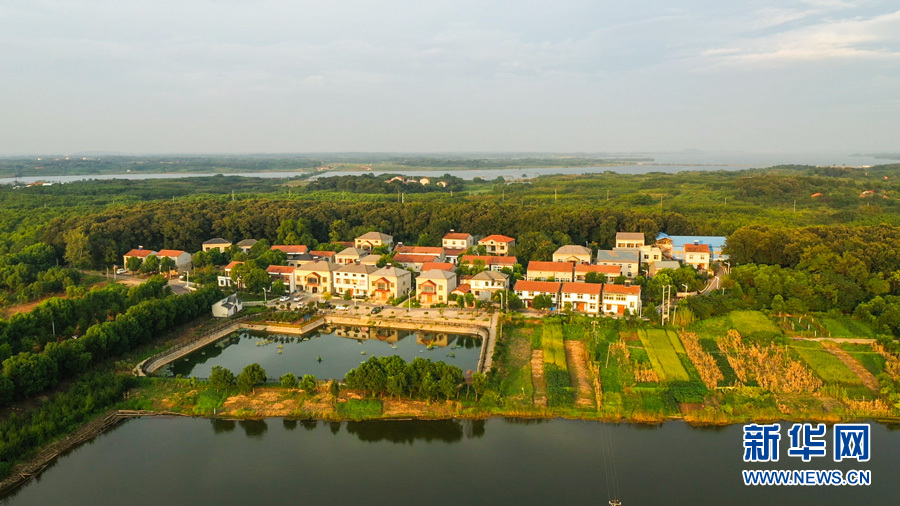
872 38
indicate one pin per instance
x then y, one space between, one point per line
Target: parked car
121 271
298 298
343 307
284 298
376 309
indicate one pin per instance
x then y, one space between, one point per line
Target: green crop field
552 344
662 355
843 326
826 366
751 322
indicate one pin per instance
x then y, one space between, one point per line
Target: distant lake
663 162
193 461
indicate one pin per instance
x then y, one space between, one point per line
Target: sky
273 76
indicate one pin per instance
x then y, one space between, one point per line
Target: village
462 272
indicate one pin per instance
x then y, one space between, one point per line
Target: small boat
362 352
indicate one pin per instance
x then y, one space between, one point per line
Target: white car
343 307
298 298
284 298
121 271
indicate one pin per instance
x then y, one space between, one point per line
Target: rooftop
170 252
588 288
629 236
572 249
376 236
538 286
457 236
550 266
141 253
618 255
627 290
497 238
216 240
280 269
441 266
291 248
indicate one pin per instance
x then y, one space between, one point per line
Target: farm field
827 366
663 355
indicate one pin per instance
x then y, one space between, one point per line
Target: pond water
189 461
340 349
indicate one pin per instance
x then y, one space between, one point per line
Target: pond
191 461
328 354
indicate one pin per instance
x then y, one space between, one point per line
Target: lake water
662 162
191 461
340 350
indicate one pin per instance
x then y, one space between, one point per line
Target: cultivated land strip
867 378
537 378
579 374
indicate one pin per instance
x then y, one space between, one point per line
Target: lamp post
408 300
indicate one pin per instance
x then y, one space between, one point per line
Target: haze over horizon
274 76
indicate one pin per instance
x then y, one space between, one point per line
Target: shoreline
31 468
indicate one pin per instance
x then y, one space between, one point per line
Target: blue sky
194 76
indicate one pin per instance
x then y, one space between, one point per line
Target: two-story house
353 278
573 253
498 245
434 286
627 259
528 290
582 297
486 283
550 271
618 298
389 282
372 240
315 277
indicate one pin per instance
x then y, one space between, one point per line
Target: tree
78 251
278 287
595 277
288 380
424 239
166 264
133 263
448 386
542 302
151 264
251 376
221 378
308 383
334 388
479 383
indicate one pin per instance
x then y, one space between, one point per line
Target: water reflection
221 426
327 354
407 432
255 429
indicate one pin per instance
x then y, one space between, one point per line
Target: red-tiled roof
550 266
326 254
169 253
628 290
457 236
588 288
291 248
232 265
141 253
497 238
440 266
605 269
696 248
537 286
405 258
420 250
463 288
489 260
280 269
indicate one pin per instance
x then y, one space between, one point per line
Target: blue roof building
674 244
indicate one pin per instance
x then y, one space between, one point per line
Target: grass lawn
360 409
826 366
663 355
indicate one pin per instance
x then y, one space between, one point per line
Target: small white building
182 259
618 298
229 306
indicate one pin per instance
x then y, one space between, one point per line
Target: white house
182 259
486 283
528 290
618 298
228 306
353 278
582 297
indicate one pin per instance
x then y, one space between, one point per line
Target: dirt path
867 378
537 378
579 374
